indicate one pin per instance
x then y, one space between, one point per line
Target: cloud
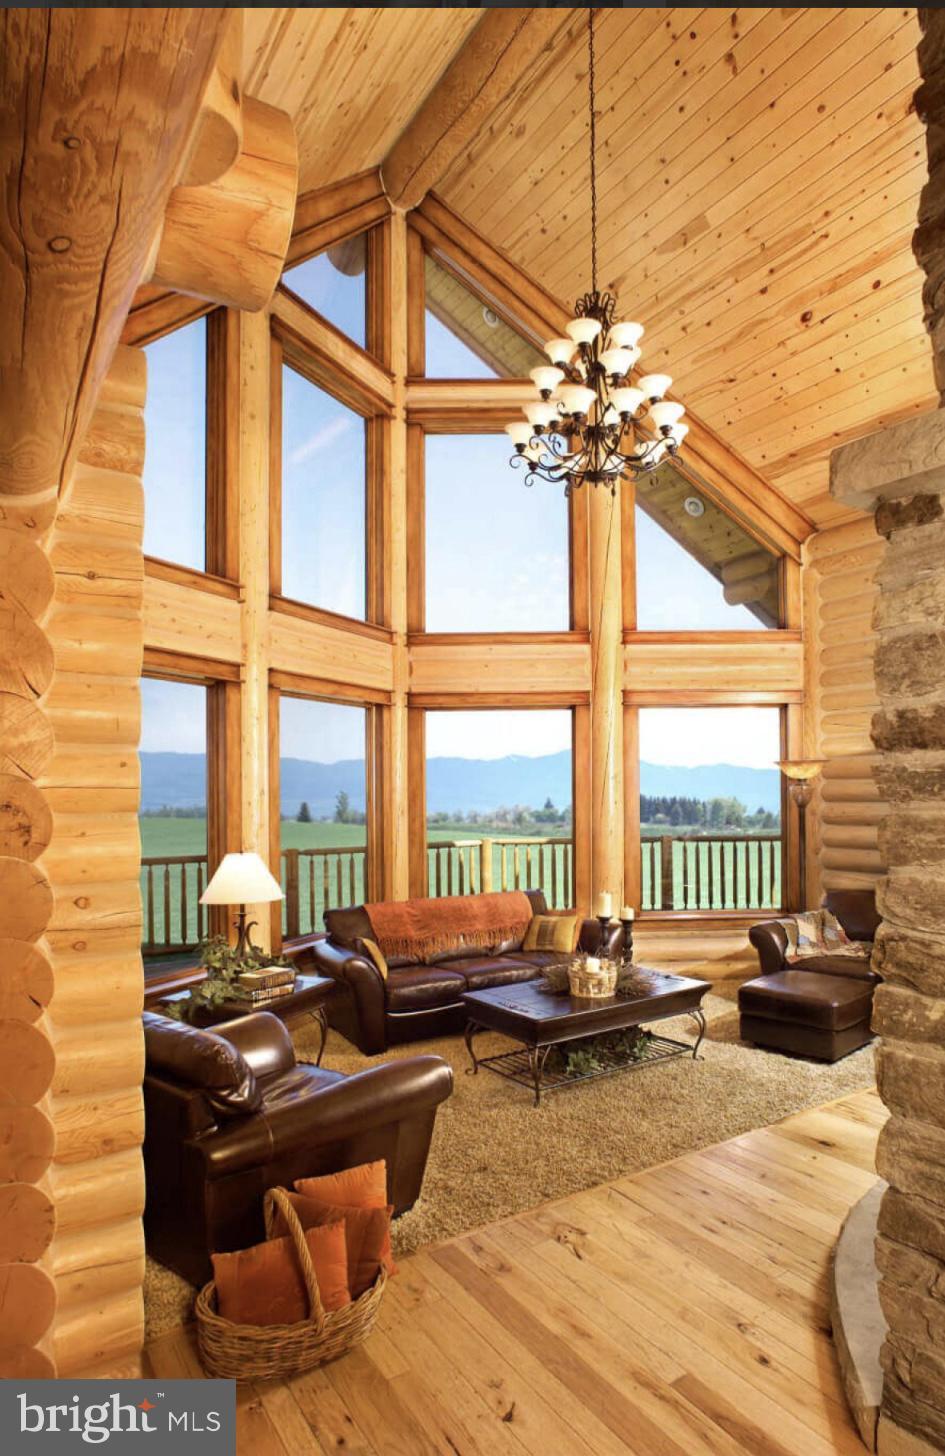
321 439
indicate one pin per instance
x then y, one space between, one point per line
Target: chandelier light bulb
520 433
618 361
584 330
576 398
667 412
559 351
627 400
546 378
654 386
626 336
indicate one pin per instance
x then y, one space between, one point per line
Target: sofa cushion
201 1059
414 988
830 1002
855 967
538 959
493 971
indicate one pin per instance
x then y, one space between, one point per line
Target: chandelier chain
593 143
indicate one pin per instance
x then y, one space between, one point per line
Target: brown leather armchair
420 999
821 1006
230 1113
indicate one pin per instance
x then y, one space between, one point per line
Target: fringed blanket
819 933
424 929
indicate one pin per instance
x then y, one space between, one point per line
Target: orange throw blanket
424 929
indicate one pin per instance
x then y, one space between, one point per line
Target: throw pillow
551 932
372 952
362 1187
264 1285
367 1236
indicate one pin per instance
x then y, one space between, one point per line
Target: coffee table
308 997
540 1019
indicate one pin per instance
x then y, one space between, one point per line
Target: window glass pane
333 283
497 555
323 499
173 816
504 776
710 808
323 803
466 339
175 458
698 570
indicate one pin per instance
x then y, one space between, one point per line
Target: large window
710 808
499 802
333 283
173 817
497 556
322 809
465 338
698 570
323 499
175 461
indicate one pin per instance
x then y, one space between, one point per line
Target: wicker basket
603 984
267 1352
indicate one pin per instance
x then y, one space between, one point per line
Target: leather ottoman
807 1012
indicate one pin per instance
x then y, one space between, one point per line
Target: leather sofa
418 999
821 1006
230 1113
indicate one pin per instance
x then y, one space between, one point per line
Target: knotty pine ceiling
759 176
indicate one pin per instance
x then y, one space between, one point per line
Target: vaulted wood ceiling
759 180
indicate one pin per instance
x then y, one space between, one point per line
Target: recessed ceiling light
491 318
694 506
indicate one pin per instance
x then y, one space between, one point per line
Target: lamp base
244 946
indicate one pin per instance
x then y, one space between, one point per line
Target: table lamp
800 774
241 879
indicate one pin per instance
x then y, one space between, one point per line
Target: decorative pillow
367 1236
551 932
264 1285
362 1187
372 952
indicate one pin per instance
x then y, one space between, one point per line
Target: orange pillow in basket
361 1187
367 1236
264 1285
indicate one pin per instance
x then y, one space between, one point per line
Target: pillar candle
604 904
592 966
627 912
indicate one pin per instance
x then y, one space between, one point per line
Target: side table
308 998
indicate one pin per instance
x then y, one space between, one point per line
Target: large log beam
490 66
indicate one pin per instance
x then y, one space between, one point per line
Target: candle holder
627 942
604 923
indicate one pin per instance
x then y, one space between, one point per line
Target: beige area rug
495 1154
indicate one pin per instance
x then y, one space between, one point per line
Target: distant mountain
178 780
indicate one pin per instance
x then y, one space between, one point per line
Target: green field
707 875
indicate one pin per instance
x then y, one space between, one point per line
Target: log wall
840 596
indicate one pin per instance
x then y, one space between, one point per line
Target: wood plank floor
678 1311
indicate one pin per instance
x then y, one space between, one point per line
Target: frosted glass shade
559 351
678 433
627 401
666 412
576 398
520 433
626 335
584 330
617 361
241 879
654 386
801 768
546 377
540 414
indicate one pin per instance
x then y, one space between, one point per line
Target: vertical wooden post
666 872
606 624
485 865
291 893
396 789
253 469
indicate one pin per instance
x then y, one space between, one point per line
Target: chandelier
592 423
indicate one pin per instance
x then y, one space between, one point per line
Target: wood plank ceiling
759 174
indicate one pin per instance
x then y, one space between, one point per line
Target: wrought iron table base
526 1064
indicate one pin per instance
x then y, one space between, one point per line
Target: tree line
717 813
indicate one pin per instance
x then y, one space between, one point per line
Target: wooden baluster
485 866
201 909
569 870
461 871
503 865
184 937
554 875
150 893
697 851
292 906
449 870
438 870
339 895
667 885
326 884
167 904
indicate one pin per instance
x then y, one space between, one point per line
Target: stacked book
264 986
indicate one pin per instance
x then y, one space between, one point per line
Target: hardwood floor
678 1311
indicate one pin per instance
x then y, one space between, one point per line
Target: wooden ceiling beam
705 456
491 66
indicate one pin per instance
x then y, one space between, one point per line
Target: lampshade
801 768
519 433
540 414
619 361
627 400
654 386
546 378
576 398
241 879
584 330
559 351
626 335
666 412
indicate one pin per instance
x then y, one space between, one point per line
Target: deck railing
680 872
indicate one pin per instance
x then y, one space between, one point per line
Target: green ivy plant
221 983
589 1054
